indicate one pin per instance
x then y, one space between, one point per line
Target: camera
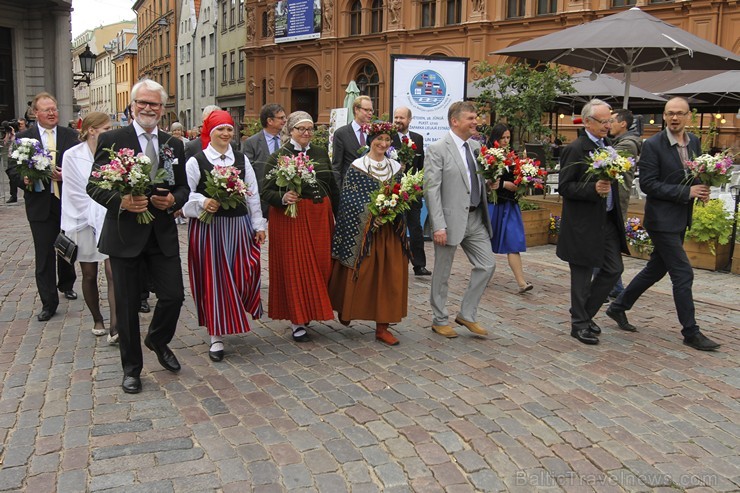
8 127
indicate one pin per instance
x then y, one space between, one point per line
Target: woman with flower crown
224 243
370 276
300 246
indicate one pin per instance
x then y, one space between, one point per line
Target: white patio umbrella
352 92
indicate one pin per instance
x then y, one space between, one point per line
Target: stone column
63 64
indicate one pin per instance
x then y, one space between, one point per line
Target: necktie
151 154
51 146
609 197
275 143
362 138
474 184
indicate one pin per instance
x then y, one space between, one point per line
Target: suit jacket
258 153
447 190
39 204
344 151
668 207
584 218
122 236
418 162
193 147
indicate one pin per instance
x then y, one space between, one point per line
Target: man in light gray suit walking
456 199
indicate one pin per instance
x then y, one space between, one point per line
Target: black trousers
166 274
588 292
668 257
416 235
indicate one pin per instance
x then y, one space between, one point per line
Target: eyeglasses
50 111
369 110
671 114
603 122
304 130
143 104
279 117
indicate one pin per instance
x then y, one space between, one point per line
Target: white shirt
45 138
459 144
194 205
78 209
358 130
142 140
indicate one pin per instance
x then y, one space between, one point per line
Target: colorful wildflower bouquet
494 161
34 162
392 199
129 174
607 163
528 175
637 236
224 185
711 170
292 172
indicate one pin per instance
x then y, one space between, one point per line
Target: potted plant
707 241
640 244
553 231
536 223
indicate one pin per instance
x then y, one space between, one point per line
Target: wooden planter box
736 259
552 239
635 253
536 227
701 256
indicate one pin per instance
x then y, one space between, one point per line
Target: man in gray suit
456 199
261 145
349 138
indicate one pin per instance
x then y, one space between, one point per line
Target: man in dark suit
44 207
668 211
402 119
260 146
591 228
129 244
348 139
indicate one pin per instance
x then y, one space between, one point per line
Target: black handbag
66 248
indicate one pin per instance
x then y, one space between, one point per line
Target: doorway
304 94
7 93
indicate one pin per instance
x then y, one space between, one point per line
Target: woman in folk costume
223 255
370 275
300 247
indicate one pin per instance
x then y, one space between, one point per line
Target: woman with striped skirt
223 255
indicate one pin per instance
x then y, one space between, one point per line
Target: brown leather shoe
445 330
472 327
382 335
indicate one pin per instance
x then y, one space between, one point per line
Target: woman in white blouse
223 255
82 220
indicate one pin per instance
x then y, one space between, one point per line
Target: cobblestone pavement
526 409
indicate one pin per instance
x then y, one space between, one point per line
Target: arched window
265 25
369 83
376 13
355 18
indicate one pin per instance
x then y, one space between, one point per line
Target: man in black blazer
260 146
402 119
129 244
348 139
668 210
195 145
44 207
591 228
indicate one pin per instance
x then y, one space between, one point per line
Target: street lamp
87 67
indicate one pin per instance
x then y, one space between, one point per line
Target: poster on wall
297 20
428 85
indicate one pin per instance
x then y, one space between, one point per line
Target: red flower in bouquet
392 199
528 175
224 185
406 153
494 161
292 172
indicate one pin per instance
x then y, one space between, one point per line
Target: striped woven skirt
224 265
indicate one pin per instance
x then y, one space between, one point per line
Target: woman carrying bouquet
82 221
224 242
300 245
506 217
370 275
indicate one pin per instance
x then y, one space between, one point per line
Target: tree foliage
519 95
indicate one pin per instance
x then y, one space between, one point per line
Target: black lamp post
87 67
735 192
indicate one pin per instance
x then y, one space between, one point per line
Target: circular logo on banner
428 89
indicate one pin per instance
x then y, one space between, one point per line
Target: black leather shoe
144 307
45 315
701 342
70 294
594 328
12 200
422 271
131 385
585 336
216 355
621 318
165 356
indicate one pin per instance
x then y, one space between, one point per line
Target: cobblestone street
526 409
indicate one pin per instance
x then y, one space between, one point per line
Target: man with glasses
130 244
668 211
260 146
591 228
348 139
44 206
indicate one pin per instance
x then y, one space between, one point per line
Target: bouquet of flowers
392 199
34 162
224 185
607 163
637 236
494 161
406 153
129 174
528 175
711 170
292 172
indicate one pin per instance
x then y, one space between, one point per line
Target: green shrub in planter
711 222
